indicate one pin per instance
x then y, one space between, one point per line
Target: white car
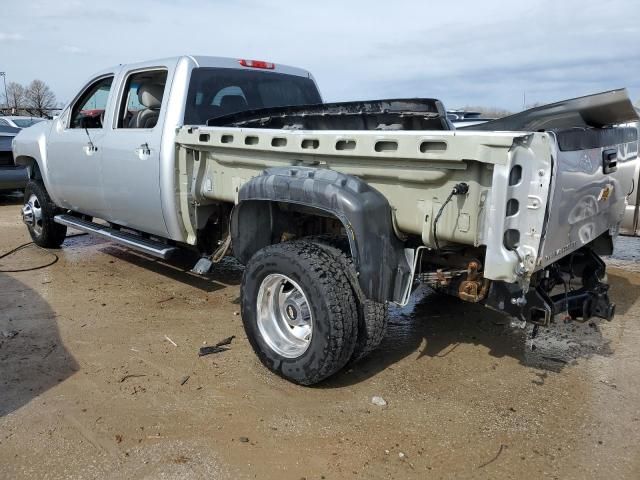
19 121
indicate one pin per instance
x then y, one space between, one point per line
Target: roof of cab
228 62
210 62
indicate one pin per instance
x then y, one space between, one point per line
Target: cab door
131 153
74 149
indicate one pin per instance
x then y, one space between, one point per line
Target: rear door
131 154
75 149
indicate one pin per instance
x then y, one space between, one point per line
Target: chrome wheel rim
32 214
284 316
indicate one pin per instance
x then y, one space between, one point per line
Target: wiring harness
458 189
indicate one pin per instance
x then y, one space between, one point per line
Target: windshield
214 92
26 122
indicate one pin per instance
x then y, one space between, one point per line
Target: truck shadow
32 354
227 272
436 325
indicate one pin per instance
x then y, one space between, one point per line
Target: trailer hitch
538 305
583 305
539 308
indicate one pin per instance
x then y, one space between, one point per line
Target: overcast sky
463 52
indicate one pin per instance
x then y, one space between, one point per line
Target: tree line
35 99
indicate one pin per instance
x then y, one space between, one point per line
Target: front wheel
37 214
298 311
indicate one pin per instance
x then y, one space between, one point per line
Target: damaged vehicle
336 210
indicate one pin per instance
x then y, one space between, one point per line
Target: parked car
465 118
631 221
19 121
336 209
12 177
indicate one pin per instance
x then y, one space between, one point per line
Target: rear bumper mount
539 305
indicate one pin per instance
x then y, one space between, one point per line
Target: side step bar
151 247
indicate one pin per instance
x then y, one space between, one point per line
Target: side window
3 123
142 98
88 111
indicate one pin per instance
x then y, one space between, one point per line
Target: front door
75 153
131 153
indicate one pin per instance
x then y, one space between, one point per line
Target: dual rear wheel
304 313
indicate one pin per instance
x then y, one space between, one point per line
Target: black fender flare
379 257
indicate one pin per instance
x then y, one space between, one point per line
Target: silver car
16 121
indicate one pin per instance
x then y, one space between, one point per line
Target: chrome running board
145 245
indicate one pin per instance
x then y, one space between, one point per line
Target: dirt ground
92 385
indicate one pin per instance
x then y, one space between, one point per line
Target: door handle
144 149
90 148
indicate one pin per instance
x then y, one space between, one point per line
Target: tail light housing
257 64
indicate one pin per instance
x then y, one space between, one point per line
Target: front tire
37 213
298 311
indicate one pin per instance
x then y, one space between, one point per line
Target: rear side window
88 111
142 99
214 92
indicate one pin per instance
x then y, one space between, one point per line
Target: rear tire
290 287
37 213
372 315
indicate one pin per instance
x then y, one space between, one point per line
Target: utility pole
4 80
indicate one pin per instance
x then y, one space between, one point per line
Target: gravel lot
100 378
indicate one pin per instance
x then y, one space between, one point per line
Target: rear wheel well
260 223
295 222
311 201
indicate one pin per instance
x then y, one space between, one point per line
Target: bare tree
15 96
39 98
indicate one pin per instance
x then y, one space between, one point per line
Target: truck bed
409 168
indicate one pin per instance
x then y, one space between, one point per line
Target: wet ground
100 378
626 255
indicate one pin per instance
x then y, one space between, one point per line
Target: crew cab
336 210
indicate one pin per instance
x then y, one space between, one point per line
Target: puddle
626 254
564 343
626 248
437 324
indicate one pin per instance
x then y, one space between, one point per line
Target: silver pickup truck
336 210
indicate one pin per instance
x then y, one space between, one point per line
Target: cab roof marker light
257 64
